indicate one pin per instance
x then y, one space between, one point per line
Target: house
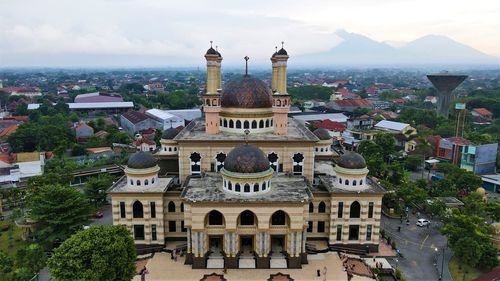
481 116
431 99
22 91
83 132
380 114
479 159
359 122
110 107
104 151
343 94
144 143
101 134
350 105
334 128
5 133
403 133
135 121
154 87
311 118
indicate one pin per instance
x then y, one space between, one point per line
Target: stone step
246 263
215 263
278 263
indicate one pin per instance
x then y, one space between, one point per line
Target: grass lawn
458 274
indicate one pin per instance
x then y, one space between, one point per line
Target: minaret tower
281 99
211 99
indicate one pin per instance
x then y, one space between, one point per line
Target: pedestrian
175 255
172 255
144 271
318 273
324 273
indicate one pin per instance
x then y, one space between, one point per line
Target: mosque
246 186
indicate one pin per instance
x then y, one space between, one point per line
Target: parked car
423 222
99 214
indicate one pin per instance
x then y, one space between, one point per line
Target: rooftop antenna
445 83
246 65
246 135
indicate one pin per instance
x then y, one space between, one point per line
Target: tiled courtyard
161 267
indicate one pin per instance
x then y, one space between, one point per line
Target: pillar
230 259
262 250
189 254
303 252
199 260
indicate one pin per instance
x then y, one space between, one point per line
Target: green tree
31 257
387 145
95 188
5 263
22 274
437 208
413 162
97 253
59 210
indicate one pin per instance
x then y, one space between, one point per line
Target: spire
211 43
246 65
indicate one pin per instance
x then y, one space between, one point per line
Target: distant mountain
356 49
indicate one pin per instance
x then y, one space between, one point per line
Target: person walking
324 273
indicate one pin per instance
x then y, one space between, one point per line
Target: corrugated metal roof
391 125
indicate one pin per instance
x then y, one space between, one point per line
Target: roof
122 186
391 125
135 116
329 183
98 150
91 105
482 111
83 125
458 141
160 114
8 131
141 160
337 117
187 114
352 160
493 275
330 125
246 159
98 97
246 92
355 102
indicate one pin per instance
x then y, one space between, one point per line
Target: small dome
141 160
282 52
169 134
246 159
246 92
212 51
322 134
352 160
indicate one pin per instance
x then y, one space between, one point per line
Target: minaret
281 99
211 99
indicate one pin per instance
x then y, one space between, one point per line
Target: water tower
445 83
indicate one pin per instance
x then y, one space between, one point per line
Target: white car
423 222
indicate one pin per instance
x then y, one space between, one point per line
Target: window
267 123
195 163
340 210
256 187
246 125
322 207
273 161
231 123
360 182
139 232
182 207
340 180
254 124
131 182
353 232
146 182
225 123
219 161
172 226
261 124
152 206
152 180
354 183
215 218
122 210
247 218
370 210
278 218
246 188
237 187
355 210
309 226
263 186
138 182
137 210
183 228
153 232
346 182
298 163
369 232
230 186
339 232
238 124
171 207
311 207
321 226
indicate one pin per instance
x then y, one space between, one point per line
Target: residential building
350 105
135 121
83 132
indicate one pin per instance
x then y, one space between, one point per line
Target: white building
164 119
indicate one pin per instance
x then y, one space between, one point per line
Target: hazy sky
161 33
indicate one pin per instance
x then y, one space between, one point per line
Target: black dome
141 160
212 51
282 52
246 92
322 134
169 134
246 159
352 160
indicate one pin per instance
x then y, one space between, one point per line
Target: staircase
215 259
247 259
278 259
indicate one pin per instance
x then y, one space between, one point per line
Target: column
303 252
189 254
230 259
263 259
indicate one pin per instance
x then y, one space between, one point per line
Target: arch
237 187
247 217
340 180
182 207
152 180
137 209
214 218
225 123
311 207
131 182
246 188
360 182
264 187
354 183
279 218
231 123
208 102
261 124
146 182
230 185
322 207
246 125
267 123
238 124
355 210
171 207
138 182
214 102
254 124
255 187
346 182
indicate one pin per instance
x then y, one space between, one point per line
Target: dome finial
217 48
211 43
282 44
247 131
275 49
246 65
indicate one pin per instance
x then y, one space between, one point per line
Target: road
106 219
418 246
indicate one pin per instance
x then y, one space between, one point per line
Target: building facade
242 186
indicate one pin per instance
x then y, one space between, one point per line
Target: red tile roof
482 111
330 125
8 131
459 141
356 102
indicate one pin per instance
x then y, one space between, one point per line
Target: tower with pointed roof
211 99
281 99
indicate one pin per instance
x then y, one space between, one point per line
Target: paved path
448 253
418 246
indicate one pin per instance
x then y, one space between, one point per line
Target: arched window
237 187
247 218
340 180
360 182
215 218
267 123
208 102
246 188
214 102
271 122
346 182
256 187
322 207
146 182
246 125
261 124
225 123
355 210
278 218
131 182
195 163
238 124
171 207
138 182
182 207
230 186
231 123
220 122
298 163
152 180
254 124
273 161
311 207
219 161
264 186
137 210
354 183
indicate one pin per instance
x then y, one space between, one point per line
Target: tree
102 252
22 274
437 208
95 188
413 162
5 263
59 210
31 257
387 145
